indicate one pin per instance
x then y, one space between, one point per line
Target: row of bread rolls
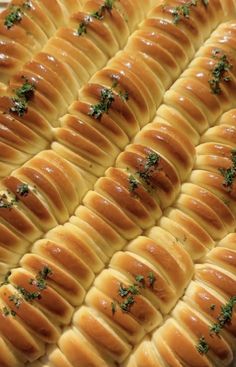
203 213
26 26
191 213
87 134
210 217
49 187
205 210
40 195
33 263
108 205
113 204
55 76
101 146
144 71
201 330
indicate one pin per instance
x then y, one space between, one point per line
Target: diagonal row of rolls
26 26
67 61
142 283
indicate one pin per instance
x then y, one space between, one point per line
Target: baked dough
119 250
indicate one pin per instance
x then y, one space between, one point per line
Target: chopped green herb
133 183
16 299
202 346
151 278
152 159
224 317
113 307
126 305
82 27
19 106
219 72
41 277
23 95
28 296
107 97
215 329
27 5
7 202
15 16
139 278
146 172
229 174
98 14
183 11
23 189
133 289
124 96
6 280
123 292
26 91
7 312
212 307
107 6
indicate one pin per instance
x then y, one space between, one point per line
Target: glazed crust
114 206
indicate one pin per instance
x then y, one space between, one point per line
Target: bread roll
22 38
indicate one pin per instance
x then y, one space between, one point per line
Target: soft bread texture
66 62
193 317
38 21
100 335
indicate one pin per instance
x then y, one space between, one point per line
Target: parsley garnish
229 174
16 14
146 172
151 278
133 183
126 305
219 71
6 202
107 97
13 17
83 26
23 95
212 307
129 293
98 14
7 312
123 291
41 277
139 278
6 278
39 282
28 296
23 189
16 299
224 317
184 10
202 346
